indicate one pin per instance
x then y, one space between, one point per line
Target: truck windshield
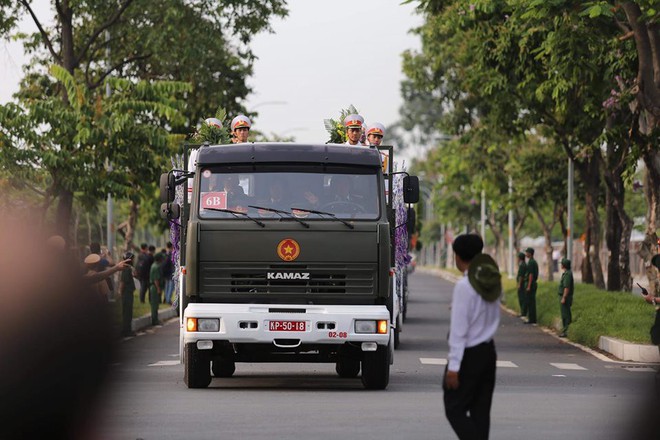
272 192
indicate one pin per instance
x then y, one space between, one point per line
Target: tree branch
42 31
111 21
115 67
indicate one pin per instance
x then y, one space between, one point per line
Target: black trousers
144 288
468 407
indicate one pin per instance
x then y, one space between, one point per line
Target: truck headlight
365 326
203 324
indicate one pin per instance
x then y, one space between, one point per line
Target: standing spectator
475 315
144 262
566 290
532 277
155 287
100 288
105 263
522 282
126 290
167 273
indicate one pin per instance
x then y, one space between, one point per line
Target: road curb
145 321
624 351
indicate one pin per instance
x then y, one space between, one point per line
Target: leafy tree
516 66
200 42
65 144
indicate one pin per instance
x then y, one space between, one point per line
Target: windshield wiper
280 212
331 215
236 214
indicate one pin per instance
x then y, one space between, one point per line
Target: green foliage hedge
595 312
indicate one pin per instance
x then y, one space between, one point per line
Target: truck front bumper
285 325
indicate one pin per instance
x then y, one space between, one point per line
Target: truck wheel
376 368
347 367
223 367
197 371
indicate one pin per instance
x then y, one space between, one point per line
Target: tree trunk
650 244
63 215
130 225
589 170
647 83
612 238
547 234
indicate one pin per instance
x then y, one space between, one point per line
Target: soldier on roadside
240 129
566 290
521 278
532 278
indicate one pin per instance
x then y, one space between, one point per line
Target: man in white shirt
475 315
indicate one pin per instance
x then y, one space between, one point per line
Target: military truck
287 253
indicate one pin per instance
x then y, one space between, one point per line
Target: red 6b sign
214 200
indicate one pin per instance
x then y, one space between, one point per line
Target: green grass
139 309
595 313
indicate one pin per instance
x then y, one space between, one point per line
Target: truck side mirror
411 189
170 211
412 221
167 187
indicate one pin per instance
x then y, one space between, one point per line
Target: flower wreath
335 127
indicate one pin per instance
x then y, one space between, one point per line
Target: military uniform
531 285
240 121
521 280
566 283
353 121
155 287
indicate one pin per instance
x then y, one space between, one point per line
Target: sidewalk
145 321
620 349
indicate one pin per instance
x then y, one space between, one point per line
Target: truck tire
397 331
197 370
376 368
347 367
223 367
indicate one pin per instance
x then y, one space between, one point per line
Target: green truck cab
287 254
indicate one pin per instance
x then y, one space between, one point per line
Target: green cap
521 255
566 263
485 277
655 261
529 250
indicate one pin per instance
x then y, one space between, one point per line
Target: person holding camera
126 290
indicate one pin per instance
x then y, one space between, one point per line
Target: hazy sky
324 56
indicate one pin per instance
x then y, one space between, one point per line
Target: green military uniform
154 291
533 272
566 282
521 278
128 287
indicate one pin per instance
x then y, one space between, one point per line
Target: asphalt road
546 389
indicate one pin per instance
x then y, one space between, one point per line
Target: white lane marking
640 369
558 375
443 361
567 366
506 364
433 361
164 363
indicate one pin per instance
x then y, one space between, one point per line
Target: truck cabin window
347 193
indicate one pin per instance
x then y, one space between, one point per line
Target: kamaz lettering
288 276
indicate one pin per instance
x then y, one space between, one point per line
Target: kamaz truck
286 256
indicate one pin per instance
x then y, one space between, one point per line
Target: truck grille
358 279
